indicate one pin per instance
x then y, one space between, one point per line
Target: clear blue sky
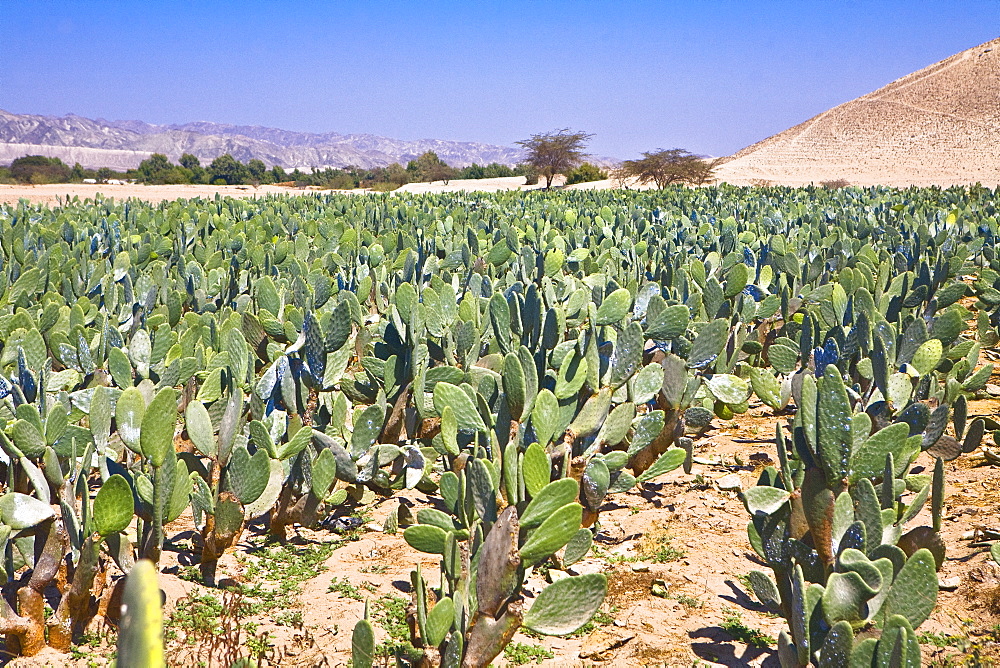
711 76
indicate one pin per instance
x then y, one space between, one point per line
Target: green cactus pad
727 388
668 461
426 538
114 507
553 533
914 591
614 307
439 622
363 644
466 413
546 501
708 344
200 429
567 604
156 439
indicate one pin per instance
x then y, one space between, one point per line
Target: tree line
546 156
157 169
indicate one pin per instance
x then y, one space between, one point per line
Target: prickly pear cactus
829 521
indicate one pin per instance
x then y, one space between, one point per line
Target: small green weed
291 618
656 546
689 601
519 654
204 628
190 574
345 589
274 579
940 639
733 624
88 643
389 612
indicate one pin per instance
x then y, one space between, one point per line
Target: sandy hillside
937 126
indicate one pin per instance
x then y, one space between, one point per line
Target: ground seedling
733 624
519 654
345 589
656 547
213 631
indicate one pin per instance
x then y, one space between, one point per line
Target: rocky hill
937 126
123 144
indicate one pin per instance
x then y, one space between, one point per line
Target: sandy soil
53 194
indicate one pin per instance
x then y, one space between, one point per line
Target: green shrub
584 173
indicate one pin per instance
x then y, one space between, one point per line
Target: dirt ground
55 194
674 551
682 530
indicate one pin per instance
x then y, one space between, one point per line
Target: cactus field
740 426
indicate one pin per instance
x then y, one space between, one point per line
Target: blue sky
711 76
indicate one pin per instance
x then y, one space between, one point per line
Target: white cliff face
123 144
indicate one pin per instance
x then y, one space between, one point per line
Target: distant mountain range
124 144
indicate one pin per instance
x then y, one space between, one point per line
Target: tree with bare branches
555 152
666 166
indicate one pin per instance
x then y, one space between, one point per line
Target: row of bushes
38 169
227 170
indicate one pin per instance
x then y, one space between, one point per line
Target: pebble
585 567
556 574
993 390
950 584
730 483
640 568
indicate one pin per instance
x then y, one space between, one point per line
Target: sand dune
937 126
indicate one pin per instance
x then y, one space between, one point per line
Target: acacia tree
667 166
555 152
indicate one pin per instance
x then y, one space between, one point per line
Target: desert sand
52 194
937 126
